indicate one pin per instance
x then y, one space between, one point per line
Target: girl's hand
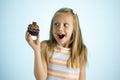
35 44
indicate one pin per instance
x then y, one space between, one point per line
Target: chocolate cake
33 29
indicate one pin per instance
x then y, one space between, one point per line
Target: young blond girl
64 55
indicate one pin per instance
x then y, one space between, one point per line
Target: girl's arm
82 73
40 67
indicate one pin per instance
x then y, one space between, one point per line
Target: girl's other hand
35 44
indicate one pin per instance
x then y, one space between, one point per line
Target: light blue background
100 25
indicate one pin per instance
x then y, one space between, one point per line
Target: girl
64 55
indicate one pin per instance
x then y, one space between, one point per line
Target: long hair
78 56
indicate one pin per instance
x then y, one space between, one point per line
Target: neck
66 45
61 47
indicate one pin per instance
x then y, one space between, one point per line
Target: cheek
69 32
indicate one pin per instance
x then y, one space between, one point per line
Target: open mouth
61 36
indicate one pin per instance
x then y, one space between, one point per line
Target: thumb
38 38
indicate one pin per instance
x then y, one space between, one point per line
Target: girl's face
62 28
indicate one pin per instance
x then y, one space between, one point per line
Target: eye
66 25
56 24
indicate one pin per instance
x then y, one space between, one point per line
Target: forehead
67 17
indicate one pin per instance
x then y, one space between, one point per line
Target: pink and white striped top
57 69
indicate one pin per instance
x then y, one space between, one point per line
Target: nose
60 28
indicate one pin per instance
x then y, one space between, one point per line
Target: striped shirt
57 69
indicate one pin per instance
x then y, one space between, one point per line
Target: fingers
27 36
38 39
30 40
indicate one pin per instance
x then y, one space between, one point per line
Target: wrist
37 52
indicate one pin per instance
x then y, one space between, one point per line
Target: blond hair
78 56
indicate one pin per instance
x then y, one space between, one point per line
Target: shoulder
44 43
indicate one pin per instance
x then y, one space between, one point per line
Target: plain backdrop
100 26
